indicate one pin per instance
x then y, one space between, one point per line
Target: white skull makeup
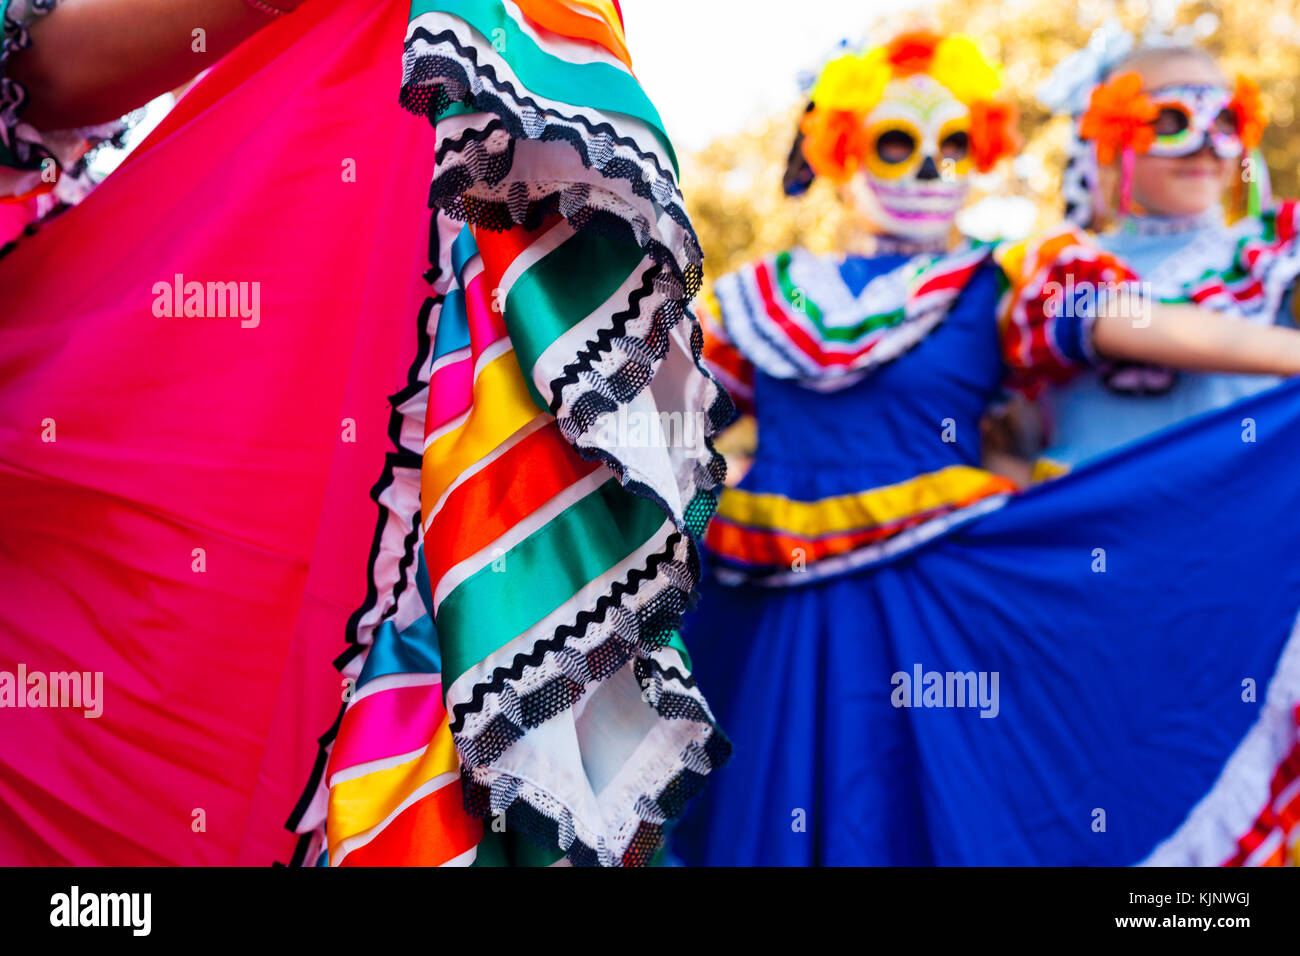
913 181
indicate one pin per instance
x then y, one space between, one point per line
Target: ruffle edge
634 196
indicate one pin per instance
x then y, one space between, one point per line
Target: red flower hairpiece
912 52
833 141
1248 107
1119 117
993 133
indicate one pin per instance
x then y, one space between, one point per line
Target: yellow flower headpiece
851 86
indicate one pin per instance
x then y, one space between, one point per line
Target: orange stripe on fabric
497 498
1277 857
430 832
359 804
776 548
594 21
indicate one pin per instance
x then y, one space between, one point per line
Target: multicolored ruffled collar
794 316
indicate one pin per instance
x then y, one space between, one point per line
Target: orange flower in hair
834 141
912 52
993 133
1119 117
1249 109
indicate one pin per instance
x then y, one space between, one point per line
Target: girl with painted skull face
1168 174
827 581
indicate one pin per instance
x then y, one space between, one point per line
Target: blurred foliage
733 187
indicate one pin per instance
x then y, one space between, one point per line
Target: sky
714 67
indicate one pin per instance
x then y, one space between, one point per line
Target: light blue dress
1088 418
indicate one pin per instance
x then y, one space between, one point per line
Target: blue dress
819 444
810 734
981 678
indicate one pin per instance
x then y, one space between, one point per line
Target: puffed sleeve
1055 285
732 370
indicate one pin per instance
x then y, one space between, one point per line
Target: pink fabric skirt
185 517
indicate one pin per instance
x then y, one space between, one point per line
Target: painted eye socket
895 146
1170 121
955 146
1226 122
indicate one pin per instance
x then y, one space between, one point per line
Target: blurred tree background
733 187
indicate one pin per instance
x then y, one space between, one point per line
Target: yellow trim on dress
1045 469
853 512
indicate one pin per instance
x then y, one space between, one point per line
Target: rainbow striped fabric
520 691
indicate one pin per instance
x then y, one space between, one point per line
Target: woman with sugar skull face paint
915 645
915 182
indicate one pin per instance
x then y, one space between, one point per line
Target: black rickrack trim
563 691
560 693
448 193
354 649
589 406
432 102
657 341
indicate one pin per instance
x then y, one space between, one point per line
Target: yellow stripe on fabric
1045 469
502 406
856 511
1012 260
358 804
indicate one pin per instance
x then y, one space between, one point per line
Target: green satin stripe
849 333
591 85
492 607
563 288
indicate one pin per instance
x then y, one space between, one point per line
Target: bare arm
1187 337
91 61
